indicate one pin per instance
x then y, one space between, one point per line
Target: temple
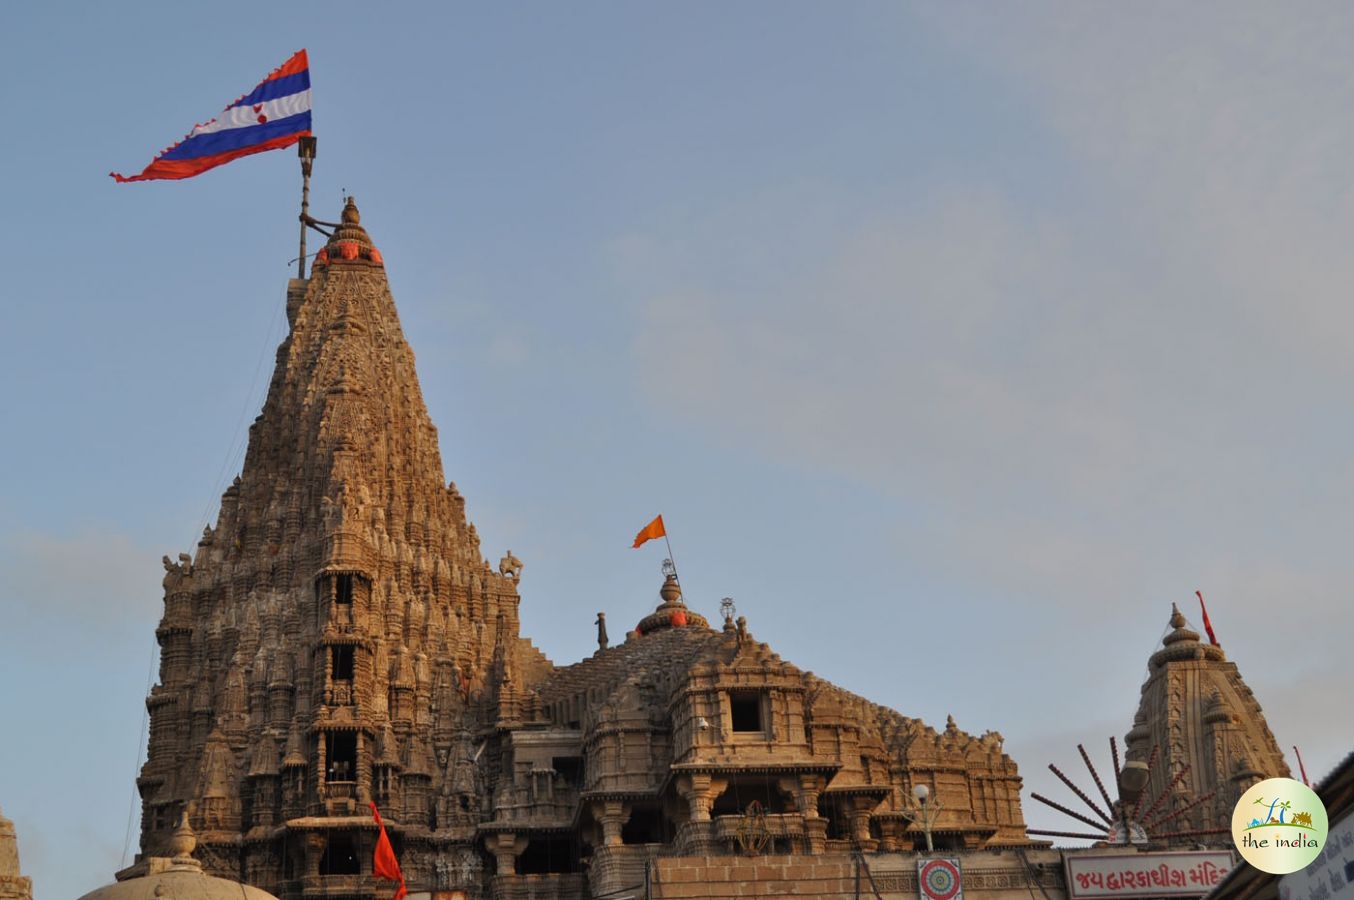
339 639
1207 732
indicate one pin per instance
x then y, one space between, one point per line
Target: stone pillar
315 844
612 814
861 807
815 835
699 790
506 847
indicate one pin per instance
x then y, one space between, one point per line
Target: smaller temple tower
1205 729
13 886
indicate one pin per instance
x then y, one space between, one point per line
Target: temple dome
672 612
178 878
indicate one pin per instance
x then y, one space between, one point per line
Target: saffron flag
1208 626
653 530
384 864
274 115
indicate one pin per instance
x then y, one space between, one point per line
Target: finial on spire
184 841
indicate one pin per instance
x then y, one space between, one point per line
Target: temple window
645 826
745 712
570 768
343 589
342 657
340 856
341 752
550 854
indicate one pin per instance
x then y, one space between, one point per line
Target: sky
954 342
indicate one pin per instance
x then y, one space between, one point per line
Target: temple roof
1203 728
344 441
180 878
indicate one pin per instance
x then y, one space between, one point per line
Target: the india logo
1279 826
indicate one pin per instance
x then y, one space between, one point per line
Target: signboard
1332 870
1184 874
939 879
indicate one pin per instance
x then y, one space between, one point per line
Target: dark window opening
570 768
340 856
343 589
646 826
342 656
549 855
743 792
159 818
838 827
746 712
341 751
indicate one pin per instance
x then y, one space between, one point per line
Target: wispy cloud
1081 393
85 582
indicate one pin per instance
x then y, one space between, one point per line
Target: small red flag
653 530
384 864
1208 625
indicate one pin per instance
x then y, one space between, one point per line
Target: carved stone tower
13 885
1206 730
337 637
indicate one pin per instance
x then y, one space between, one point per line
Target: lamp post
925 812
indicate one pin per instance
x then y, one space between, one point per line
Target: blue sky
954 342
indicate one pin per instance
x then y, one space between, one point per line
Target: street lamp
925 812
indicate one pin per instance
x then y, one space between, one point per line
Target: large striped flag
275 114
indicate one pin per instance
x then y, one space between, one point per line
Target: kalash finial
184 841
672 612
349 241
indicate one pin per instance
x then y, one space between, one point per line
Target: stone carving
510 566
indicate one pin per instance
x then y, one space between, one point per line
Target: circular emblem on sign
940 878
1279 826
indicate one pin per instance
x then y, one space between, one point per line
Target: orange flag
653 530
1208 626
384 864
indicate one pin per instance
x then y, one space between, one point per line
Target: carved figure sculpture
510 566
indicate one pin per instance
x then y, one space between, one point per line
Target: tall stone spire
308 645
1209 732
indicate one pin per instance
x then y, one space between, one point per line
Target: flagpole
305 148
672 558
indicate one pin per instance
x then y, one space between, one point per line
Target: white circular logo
1279 826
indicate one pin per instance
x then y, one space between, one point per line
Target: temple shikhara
339 638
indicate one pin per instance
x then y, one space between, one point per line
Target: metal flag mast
671 559
305 148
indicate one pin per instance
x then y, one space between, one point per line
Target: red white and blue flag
274 115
